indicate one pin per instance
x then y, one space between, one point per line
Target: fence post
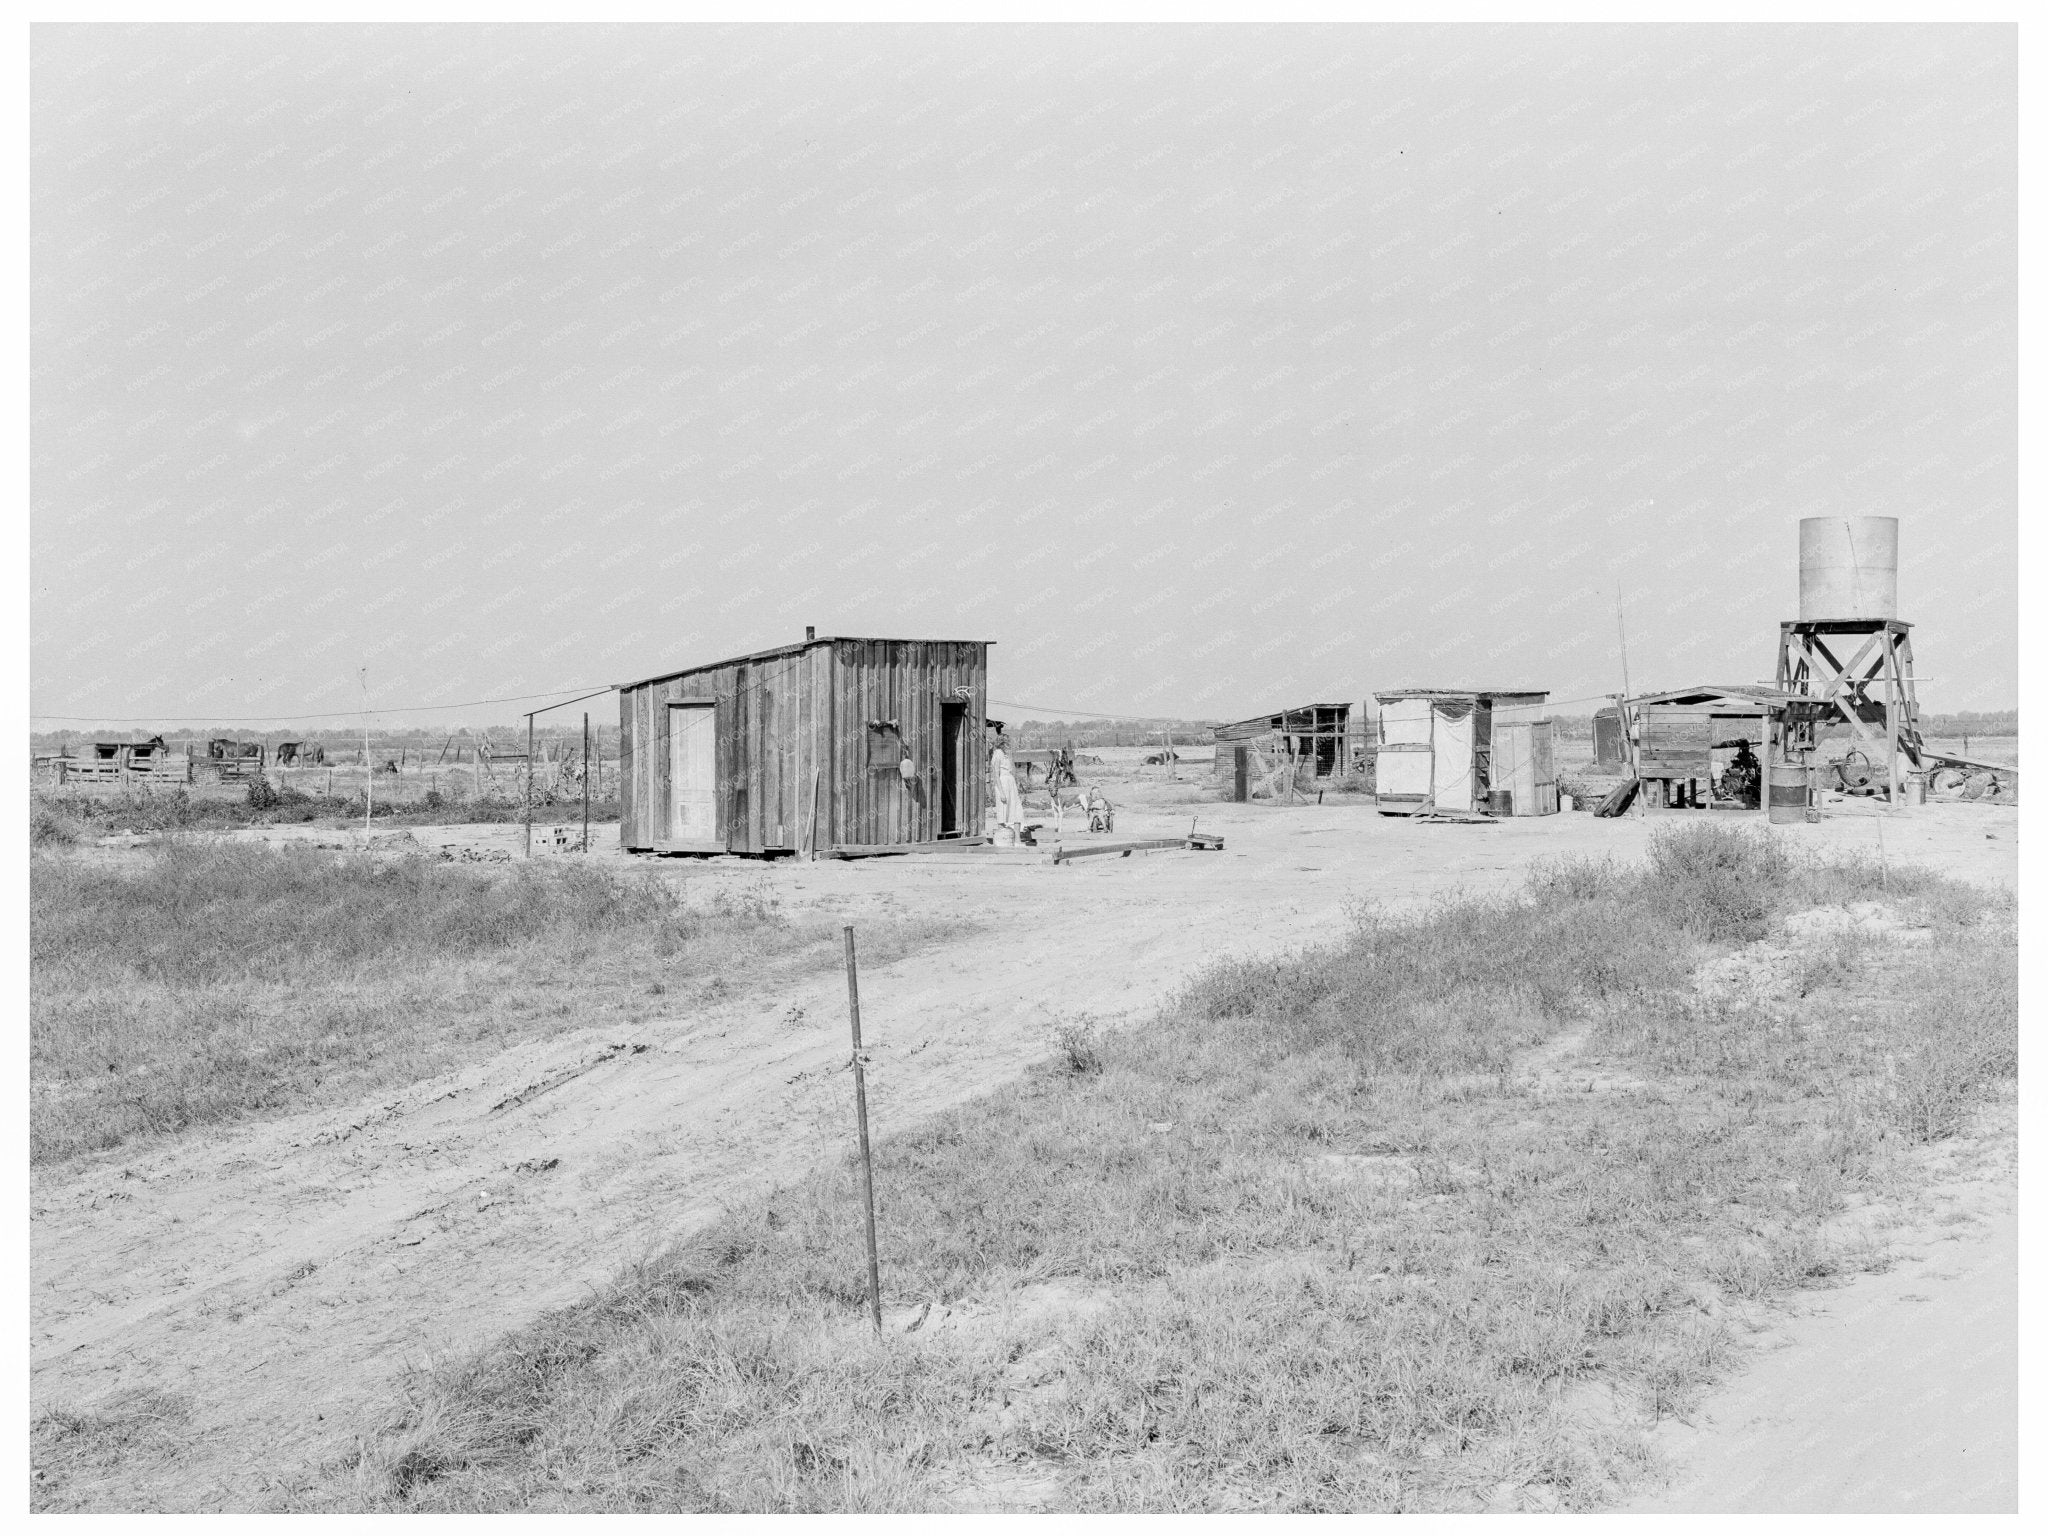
860 1110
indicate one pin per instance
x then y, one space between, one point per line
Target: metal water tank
1848 568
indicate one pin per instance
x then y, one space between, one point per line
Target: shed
1437 750
1681 741
801 749
1314 735
119 762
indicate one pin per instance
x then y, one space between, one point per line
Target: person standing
1003 780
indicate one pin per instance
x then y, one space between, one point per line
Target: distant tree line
1026 735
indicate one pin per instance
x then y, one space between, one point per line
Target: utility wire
332 714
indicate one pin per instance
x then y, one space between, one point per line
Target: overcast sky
1203 370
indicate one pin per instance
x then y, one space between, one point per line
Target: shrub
1721 884
1078 1042
48 828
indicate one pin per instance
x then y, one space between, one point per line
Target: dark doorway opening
952 747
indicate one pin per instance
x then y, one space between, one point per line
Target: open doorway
952 752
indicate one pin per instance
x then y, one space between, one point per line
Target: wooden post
586 781
860 1111
529 786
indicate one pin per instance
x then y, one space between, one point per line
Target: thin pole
369 773
529 786
1621 627
860 1112
586 781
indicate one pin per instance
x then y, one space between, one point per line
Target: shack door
1451 771
952 765
693 775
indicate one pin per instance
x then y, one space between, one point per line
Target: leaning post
860 1113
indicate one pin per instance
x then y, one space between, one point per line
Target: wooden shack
803 749
1437 750
1312 738
1681 741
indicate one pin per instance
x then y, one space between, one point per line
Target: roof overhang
777 652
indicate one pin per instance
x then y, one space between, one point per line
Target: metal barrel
1791 792
1500 802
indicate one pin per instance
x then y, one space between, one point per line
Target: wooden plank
878 850
1063 855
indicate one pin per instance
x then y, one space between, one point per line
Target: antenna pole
1621 628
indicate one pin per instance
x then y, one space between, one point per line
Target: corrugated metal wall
793 743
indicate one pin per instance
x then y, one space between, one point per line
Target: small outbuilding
1452 750
1710 746
832 745
1314 737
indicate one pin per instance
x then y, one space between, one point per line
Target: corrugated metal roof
790 650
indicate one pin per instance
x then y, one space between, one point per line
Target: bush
48 828
262 794
1719 883
1078 1042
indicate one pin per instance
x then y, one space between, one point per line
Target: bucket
1500 802
1791 792
1914 789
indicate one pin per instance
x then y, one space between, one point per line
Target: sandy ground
280 1277
1897 1393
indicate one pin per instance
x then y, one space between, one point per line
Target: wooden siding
792 726
906 681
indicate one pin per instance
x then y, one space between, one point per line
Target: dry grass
1323 1236
58 818
196 983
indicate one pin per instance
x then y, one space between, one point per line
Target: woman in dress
1002 777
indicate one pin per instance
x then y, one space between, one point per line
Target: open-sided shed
1682 741
802 749
1437 750
1311 736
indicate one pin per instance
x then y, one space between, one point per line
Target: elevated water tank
1848 568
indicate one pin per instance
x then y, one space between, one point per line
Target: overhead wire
330 714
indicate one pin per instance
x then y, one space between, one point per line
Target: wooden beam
1205 842
878 850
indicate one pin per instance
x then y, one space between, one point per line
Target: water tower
1849 649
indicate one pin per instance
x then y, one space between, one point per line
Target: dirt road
1898 1393
275 1279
